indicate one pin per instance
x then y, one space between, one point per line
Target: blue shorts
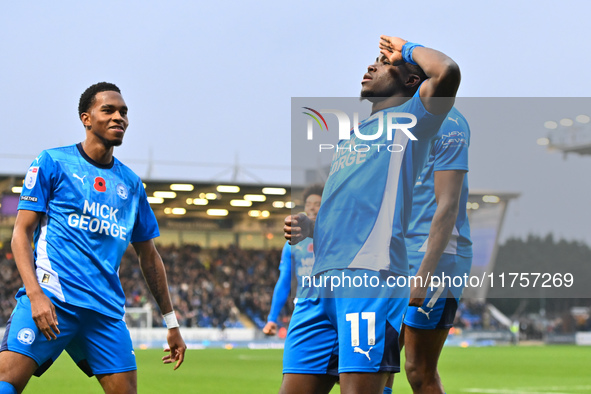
98 344
440 306
338 335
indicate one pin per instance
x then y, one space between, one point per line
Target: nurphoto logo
345 124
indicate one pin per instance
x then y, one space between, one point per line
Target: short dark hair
313 189
87 98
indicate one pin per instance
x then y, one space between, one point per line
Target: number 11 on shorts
371 327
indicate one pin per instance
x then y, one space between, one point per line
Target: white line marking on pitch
577 388
528 390
509 391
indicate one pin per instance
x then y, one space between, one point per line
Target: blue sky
208 83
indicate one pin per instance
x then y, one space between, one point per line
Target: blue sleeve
451 150
283 285
285 263
427 123
38 184
146 226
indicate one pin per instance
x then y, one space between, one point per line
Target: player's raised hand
391 47
297 228
43 313
176 348
270 328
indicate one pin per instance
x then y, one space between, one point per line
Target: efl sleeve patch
31 178
38 184
29 198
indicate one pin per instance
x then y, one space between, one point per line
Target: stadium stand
209 288
232 287
222 270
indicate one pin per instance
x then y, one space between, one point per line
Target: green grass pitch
489 370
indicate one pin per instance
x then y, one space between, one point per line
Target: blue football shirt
449 152
91 214
302 259
297 261
367 198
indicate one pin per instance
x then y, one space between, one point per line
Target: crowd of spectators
209 288
220 287
473 315
10 282
568 322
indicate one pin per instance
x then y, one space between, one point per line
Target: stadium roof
223 203
205 200
569 136
503 195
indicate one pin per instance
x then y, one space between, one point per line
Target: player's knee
14 375
416 374
7 388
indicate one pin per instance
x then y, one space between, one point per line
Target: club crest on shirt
31 178
122 191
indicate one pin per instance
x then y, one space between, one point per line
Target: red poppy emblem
99 184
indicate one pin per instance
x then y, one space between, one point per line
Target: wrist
407 50
170 320
34 291
423 278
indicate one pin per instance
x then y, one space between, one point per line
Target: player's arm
43 311
297 228
155 276
281 291
440 88
448 188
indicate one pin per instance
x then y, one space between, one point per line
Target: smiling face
384 79
312 205
107 119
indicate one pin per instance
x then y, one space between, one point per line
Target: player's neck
388 102
97 151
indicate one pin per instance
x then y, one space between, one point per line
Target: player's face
383 79
107 118
312 205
